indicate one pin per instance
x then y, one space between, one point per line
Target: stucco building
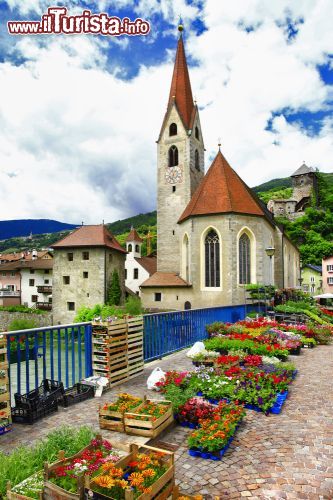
327 266
312 280
212 230
137 268
83 265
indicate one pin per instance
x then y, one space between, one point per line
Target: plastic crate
48 392
76 394
31 415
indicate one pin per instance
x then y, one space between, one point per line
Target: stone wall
7 317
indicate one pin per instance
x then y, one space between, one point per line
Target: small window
196 160
173 156
66 280
71 306
50 300
125 274
70 256
46 271
197 133
32 271
158 297
173 129
173 189
4 274
31 282
329 268
34 298
85 274
137 248
85 255
173 232
129 247
135 273
12 274
330 280
46 282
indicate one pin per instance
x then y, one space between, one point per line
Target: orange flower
148 473
122 483
104 481
116 472
136 479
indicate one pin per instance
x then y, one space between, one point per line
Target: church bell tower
180 162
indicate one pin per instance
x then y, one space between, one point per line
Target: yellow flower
122 483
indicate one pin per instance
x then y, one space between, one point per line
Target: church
214 236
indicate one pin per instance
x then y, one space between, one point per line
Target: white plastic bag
157 375
195 349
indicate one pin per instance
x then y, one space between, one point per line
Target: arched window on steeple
173 129
129 247
244 259
173 156
196 160
196 133
212 260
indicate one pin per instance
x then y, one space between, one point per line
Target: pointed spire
180 91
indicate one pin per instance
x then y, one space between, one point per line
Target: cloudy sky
79 115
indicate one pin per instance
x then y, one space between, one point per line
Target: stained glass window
244 259
212 260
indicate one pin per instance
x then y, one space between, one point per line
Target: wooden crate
112 420
161 489
150 428
11 495
118 349
54 492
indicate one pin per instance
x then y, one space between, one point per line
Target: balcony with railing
9 293
45 306
44 288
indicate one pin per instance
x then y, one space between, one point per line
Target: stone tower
304 182
180 162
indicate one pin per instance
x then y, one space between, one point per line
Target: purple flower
260 401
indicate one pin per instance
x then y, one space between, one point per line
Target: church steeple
180 91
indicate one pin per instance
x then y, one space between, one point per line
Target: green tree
114 290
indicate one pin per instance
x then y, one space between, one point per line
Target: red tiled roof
148 263
90 236
30 264
165 280
180 91
222 191
133 236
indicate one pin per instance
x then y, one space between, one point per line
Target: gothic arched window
244 251
137 248
173 156
130 248
173 129
196 133
212 260
196 160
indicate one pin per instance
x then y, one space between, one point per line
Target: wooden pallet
161 489
111 420
149 427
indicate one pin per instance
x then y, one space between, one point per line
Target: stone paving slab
286 456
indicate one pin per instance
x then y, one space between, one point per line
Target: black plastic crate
29 415
76 394
48 392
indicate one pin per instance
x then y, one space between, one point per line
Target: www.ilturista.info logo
56 21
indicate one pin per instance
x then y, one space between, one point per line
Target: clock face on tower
173 175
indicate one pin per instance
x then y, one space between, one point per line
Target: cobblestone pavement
282 456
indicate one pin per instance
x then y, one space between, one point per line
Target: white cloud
80 141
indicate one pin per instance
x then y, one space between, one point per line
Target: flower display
31 487
125 402
194 410
99 453
139 476
172 377
150 411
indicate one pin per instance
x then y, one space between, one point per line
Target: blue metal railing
61 353
165 333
